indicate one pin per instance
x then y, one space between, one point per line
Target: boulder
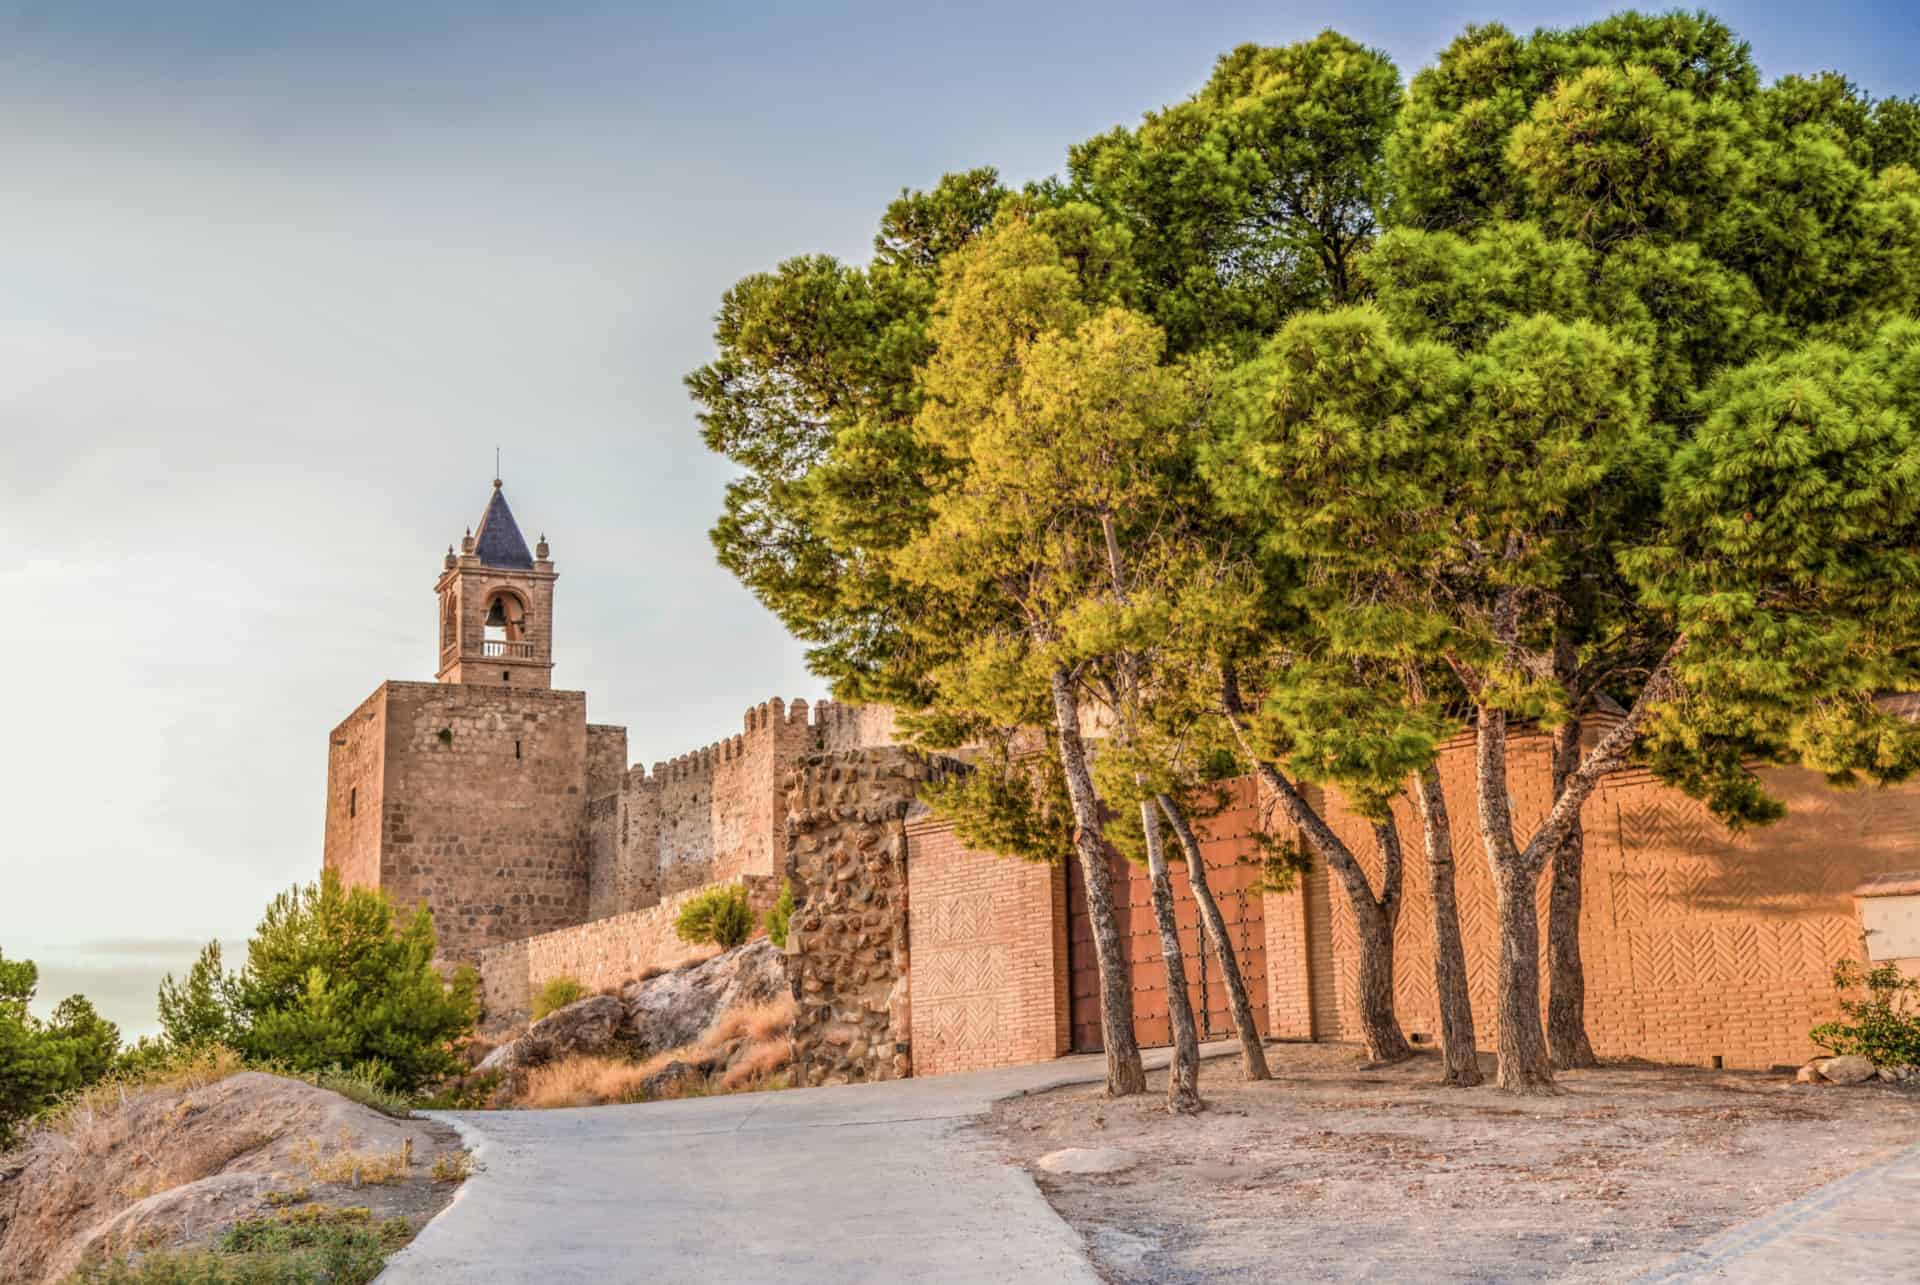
591 1025
674 1080
675 1008
1809 1074
1089 1160
1849 1069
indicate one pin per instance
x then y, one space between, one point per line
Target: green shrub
369 1084
781 915
310 1245
557 993
42 1062
334 978
720 916
463 1093
1882 1027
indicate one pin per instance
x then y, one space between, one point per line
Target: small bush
781 915
1882 1027
466 1093
367 1085
355 1166
557 994
720 916
307 1246
453 1166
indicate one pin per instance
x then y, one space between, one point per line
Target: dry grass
453 1166
764 1032
584 1081
98 1103
357 1167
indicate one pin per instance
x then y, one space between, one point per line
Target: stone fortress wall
654 838
490 799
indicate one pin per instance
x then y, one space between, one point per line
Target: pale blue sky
280 277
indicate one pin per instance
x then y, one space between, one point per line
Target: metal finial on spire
496 468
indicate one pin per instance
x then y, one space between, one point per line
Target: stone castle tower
489 798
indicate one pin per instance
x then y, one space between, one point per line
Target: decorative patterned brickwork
988 934
1698 942
846 946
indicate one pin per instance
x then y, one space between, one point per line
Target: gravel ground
1337 1172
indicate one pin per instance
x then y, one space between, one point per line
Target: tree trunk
1457 1045
1524 1065
1567 982
1124 1072
1376 918
1183 1078
1253 1054
1379 1027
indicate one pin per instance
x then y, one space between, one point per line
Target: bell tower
496 605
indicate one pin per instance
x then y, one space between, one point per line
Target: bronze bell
496 615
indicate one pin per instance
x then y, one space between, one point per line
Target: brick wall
988 936
1698 942
602 953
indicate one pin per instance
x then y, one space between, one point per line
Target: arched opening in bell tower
505 626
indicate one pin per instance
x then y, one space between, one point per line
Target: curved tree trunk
1124 1072
1567 1040
1183 1077
1253 1054
1457 1046
1373 916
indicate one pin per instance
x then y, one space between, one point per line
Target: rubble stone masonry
847 942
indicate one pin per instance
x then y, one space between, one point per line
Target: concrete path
862 1183
1858 1228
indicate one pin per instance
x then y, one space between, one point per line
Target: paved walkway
862 1183
1859 1228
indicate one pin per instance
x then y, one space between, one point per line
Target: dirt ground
1334 1172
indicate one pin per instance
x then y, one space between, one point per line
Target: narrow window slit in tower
353 801
516 749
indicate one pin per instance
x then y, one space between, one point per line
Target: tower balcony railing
508 650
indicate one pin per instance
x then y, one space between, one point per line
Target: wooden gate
1233 873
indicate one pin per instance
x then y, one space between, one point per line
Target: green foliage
463 1093
334 979
1013 805
369 1084
556 994
1882 1025
310 1245
1253 198
781 916
719 916
194 1013
41 1061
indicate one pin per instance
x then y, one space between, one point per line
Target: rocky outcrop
665 1012
175 1165
675 1008
591 1025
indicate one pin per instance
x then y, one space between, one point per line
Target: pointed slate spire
498 541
